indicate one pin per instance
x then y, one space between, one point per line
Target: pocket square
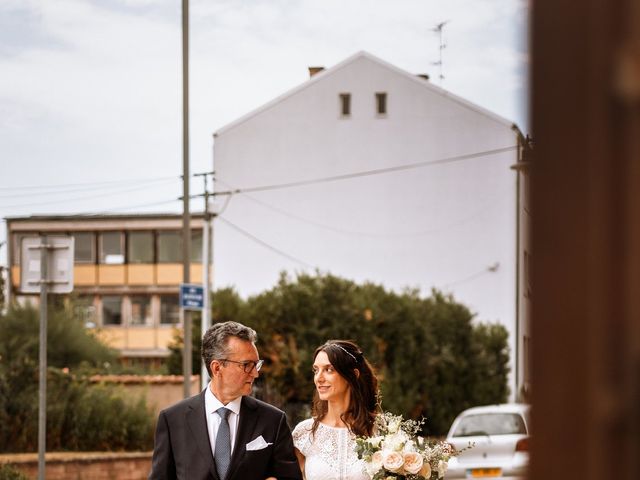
257 444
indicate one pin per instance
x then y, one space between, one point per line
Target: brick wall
84 465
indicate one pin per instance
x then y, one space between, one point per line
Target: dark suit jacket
183 451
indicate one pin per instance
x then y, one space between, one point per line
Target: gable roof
318 77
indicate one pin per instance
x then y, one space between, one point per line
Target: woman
344 407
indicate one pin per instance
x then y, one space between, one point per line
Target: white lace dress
330 454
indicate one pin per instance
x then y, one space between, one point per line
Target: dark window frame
381 104
345 104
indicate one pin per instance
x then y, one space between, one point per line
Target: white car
499 435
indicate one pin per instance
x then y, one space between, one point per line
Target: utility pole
186 228
438 29
42 395
207 258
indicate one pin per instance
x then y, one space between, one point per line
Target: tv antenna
438 29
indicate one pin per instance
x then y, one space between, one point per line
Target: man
222 433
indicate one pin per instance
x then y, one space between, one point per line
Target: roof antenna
438 29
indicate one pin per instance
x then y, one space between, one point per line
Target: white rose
395 441
392 461
375 441
393 425
413 462
410 446
442 468
375 464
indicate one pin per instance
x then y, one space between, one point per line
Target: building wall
143 294
450 226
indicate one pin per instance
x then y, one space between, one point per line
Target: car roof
498 408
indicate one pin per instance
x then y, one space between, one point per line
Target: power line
129 207
490 269
484 207
67 200
379 171
87 188
86 184
265 244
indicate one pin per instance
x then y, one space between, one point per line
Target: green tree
79 415
433 359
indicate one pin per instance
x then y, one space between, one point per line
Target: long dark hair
347 358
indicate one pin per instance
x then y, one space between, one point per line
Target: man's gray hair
216 339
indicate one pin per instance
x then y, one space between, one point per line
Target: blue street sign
191 296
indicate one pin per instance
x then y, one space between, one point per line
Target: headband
345 351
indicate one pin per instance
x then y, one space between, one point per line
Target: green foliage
9 472
69 343
432 358
80 416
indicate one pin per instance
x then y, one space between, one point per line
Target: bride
344 406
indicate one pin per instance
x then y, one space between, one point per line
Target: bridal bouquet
397 452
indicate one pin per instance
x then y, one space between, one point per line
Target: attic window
345 104
381 103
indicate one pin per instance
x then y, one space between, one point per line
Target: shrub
80 416
8 472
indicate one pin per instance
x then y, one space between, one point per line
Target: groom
222 433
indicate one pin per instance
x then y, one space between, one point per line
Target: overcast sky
91 90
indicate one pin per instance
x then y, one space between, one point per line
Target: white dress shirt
211 404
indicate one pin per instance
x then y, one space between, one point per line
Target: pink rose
393 461
413 462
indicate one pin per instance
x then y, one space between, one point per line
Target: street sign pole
42 405
46 266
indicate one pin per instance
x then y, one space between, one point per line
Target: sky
91 90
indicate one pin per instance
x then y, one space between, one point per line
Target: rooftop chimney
314 70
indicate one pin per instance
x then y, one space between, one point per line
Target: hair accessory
345 351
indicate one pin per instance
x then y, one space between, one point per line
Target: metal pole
206 256
42 405
186 229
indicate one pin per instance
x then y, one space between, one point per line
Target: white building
438 209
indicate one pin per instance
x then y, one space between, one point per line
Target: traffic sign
58 271
191 296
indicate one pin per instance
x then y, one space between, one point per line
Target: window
141 310
345 104
169 310
196 246
85 311
111 248
381 103
112 310
170 247
490 424
84 247
140 247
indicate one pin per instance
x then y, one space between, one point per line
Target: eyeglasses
247 366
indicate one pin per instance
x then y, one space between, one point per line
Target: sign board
59 264
191 296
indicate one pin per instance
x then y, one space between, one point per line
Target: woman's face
330 384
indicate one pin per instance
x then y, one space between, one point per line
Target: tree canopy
432 357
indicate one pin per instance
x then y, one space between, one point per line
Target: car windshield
490 424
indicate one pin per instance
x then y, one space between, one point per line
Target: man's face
230 381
